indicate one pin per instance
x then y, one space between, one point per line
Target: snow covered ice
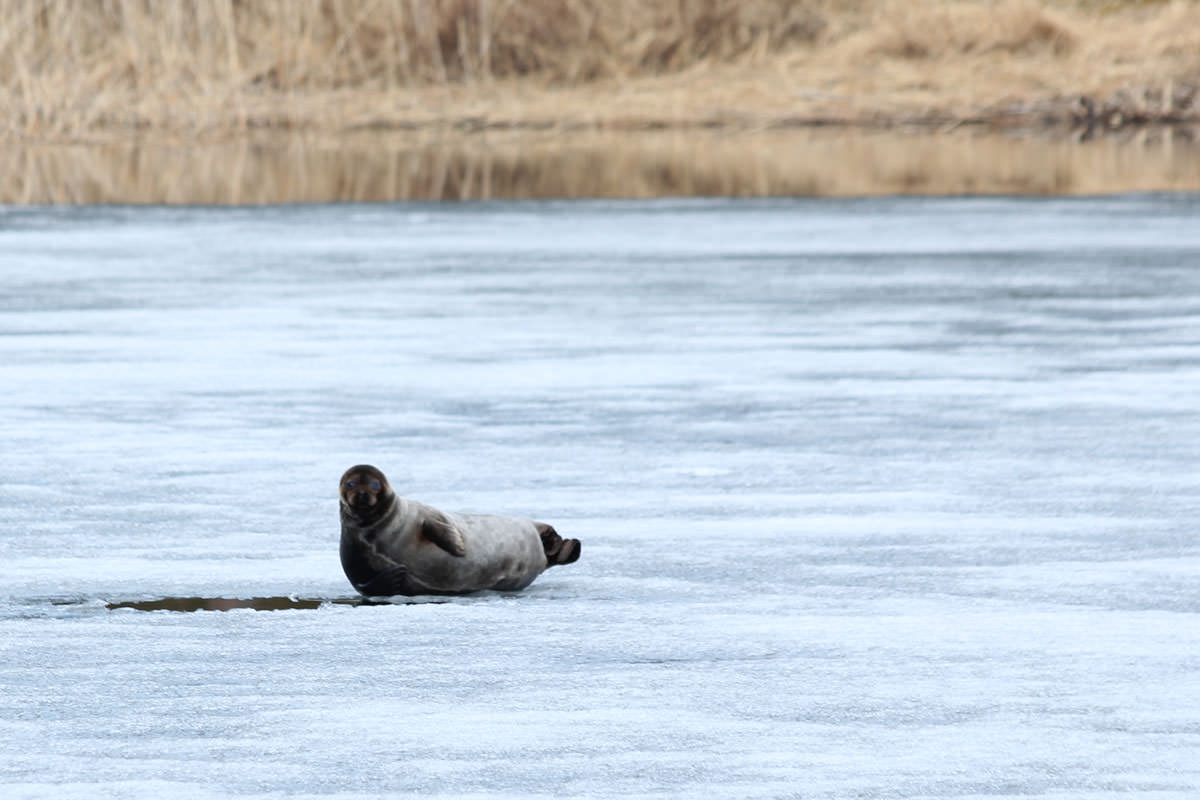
878 498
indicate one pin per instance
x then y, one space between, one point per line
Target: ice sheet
879 499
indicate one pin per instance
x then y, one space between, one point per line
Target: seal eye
374 486
350 484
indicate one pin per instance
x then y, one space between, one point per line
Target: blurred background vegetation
263 101
74 70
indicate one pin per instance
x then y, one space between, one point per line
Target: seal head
366 495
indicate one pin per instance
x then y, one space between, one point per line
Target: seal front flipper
441 532
389 582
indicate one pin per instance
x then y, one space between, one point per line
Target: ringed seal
391 545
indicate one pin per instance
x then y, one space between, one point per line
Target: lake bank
225 103
215 71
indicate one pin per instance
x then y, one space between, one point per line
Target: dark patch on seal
389 582
354 563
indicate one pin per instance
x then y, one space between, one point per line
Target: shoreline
467 111
742 100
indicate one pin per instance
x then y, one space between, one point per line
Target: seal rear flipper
558 550
389 582
441 532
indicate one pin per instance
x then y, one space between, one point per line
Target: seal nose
361 497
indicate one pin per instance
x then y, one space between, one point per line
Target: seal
392 546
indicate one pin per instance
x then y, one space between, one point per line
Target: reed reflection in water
378 167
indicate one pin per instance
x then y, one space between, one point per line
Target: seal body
391 545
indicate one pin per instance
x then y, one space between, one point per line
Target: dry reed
952 29
74 70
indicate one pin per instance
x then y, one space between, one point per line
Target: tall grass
68 65
76 66
1014 27
306 44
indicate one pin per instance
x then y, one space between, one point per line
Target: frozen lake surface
878 499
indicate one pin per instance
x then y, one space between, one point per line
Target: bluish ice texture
879 499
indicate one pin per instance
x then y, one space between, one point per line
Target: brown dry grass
969 58
379 167
74 70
